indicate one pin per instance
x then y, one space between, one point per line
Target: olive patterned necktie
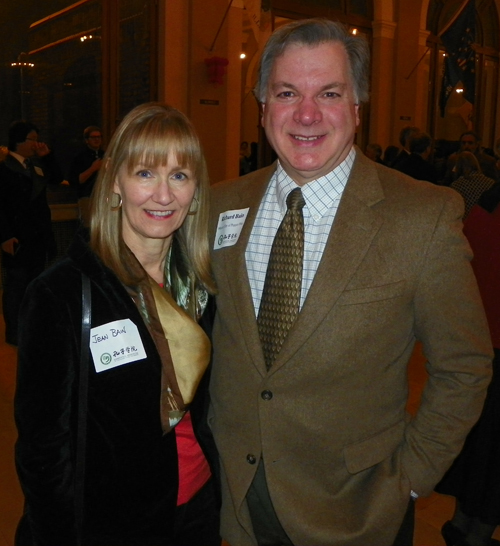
280 302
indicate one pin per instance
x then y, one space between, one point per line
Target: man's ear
262 111
356 110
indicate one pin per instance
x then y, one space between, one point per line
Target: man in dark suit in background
316 445
417 164
25 221
85 168
405 136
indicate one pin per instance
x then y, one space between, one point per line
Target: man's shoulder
486 158
9 167
402 186
244 182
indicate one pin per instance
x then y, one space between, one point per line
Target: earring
115 207
193 212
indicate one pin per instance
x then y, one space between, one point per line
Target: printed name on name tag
229 227
115 344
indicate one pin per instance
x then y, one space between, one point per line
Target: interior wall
193 34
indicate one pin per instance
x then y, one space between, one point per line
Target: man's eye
286 94
331 95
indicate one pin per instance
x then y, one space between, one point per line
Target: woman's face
155 201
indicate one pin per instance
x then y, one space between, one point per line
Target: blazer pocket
373 293
371 451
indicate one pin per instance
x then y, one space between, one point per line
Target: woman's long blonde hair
150 134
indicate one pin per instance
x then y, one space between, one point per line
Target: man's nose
307 112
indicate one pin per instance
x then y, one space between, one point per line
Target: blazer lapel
353 230
250 195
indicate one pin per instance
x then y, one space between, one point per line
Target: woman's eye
179 176
143 173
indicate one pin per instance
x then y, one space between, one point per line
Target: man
85 168
417 164
25 222
405 135
470 142
316 446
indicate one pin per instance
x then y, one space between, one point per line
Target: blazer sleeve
451 324
44 402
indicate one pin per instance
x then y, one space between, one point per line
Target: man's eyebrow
332 85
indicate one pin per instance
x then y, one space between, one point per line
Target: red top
194 471
482 229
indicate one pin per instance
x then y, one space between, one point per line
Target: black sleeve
44 412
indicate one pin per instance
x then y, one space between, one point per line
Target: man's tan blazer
329 420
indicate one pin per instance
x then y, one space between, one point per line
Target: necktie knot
295 200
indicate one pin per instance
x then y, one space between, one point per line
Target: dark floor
432 512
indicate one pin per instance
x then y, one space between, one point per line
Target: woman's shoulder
60 278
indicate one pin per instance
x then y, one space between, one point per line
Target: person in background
405 136
470 142
85 168
390 154
309 385
25 221
417 164
469 181
244 158
474 477
497 154
147 475
374 152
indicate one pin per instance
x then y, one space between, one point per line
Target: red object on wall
216 67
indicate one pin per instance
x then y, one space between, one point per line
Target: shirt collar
20 158
319 194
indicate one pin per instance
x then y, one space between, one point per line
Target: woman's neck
151 255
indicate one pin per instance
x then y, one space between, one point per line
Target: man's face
469 144
310 115
94 140
28 147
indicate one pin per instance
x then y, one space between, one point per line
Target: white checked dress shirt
322 198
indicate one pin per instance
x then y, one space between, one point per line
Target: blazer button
251 459
266 395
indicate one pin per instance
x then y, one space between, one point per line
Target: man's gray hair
312 32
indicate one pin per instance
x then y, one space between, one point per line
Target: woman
147 482
469 181
474 477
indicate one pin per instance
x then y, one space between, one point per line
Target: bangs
152 142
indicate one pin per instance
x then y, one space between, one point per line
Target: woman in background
147 477
474 477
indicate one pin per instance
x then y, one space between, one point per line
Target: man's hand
96 165
41 149
9 246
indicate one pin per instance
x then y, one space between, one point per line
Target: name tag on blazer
229 227
115 344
